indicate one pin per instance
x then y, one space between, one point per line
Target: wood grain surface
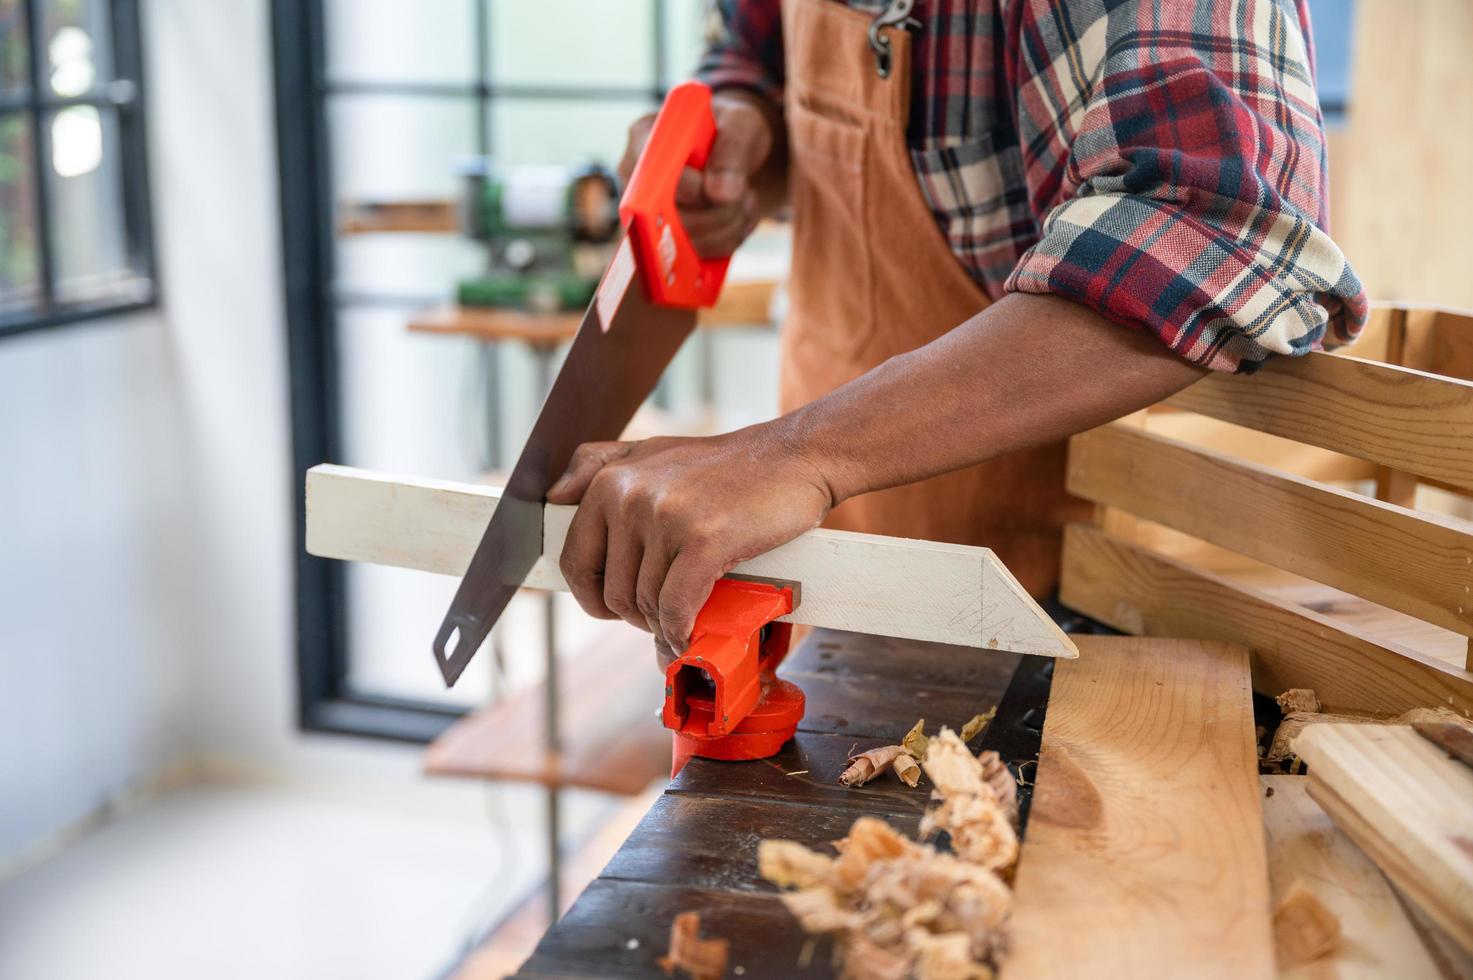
1420 564
1304 845
1138 591
1408 805
1145 851
1395 416
695 850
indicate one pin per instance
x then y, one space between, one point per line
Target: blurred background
240 237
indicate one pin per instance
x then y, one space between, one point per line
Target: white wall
145 493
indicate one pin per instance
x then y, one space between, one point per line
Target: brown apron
873 277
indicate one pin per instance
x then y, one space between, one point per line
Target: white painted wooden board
865 583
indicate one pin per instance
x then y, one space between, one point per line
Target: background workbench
696 849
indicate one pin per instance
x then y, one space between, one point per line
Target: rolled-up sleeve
744 47
1175 159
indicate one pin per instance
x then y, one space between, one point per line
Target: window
381 100
74 225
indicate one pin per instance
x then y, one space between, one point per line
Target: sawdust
867 765
900 908
700 959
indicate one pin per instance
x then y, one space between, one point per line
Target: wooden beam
1138 591
1377 938
1451 344
1395 416
864 583
1408 805
1419 564
1145 853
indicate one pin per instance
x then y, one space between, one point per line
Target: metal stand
543 356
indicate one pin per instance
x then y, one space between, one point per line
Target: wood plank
1257 447
866 583
1395 416
1407 805
613 741
1138 591
1145 854
1378 939
1420 564
376 217
1452 344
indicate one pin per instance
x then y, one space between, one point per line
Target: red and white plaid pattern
1160 161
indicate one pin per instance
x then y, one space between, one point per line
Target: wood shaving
865 961
995 774
867 765
1282 748
1298 699
898 908
701 959
907 769
981 827
974 727
915 740
1304 929
788 864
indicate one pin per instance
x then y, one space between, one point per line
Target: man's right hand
720 205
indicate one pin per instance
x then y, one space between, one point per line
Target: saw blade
618 354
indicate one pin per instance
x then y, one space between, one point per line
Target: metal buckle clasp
896 14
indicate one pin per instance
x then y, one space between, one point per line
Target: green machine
550 232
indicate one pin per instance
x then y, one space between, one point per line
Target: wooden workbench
696 848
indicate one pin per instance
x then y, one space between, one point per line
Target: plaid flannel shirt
1159 161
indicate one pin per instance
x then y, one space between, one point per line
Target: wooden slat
1145 850
865 583
613 741
1238 442
1419 564
1408 805
1395 416
373 217
1452 344
1138 591
1378 939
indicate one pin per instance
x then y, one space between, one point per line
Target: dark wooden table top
696 850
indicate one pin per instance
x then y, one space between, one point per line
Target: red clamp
722 698
682 136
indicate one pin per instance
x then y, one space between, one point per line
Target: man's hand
660 521
720 205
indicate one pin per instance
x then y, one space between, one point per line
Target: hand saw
626 339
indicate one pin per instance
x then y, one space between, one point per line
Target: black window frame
326 701
123 93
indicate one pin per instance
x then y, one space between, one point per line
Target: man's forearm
1026 371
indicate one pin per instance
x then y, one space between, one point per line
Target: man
1014 221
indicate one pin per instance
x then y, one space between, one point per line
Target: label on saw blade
615 283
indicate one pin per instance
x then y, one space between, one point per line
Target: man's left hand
660 521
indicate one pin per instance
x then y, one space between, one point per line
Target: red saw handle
684 131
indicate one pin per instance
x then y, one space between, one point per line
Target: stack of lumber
1155 840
